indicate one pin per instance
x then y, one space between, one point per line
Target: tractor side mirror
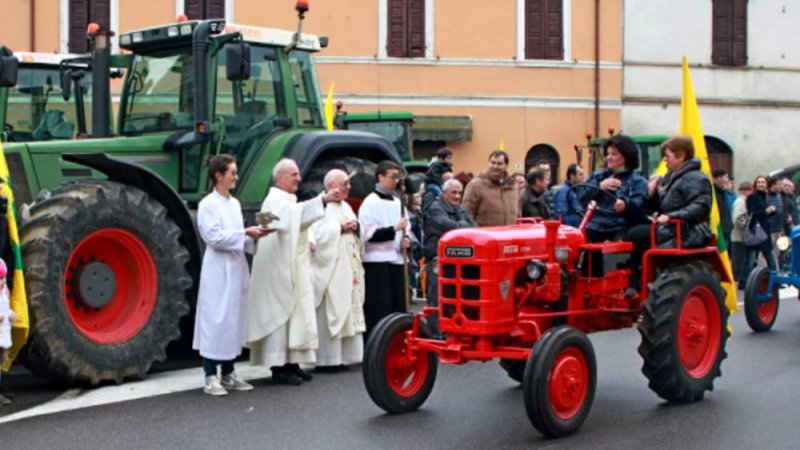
66 84
237 62
9 66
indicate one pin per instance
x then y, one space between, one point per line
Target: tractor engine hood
524 241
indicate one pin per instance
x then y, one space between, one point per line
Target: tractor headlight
783 243
562 253
535 269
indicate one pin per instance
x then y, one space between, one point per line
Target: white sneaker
233 382
213 387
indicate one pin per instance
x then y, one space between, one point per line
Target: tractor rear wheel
559 381
760 315
684 332
106 282
397 379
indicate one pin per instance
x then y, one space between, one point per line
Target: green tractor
37 107
649 153
110 249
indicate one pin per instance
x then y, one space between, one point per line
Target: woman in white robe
224 278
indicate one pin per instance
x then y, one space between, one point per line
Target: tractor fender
306 148
133 174
657 258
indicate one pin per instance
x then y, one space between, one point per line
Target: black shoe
286 378
295 370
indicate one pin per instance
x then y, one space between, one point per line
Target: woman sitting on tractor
620 206
684 193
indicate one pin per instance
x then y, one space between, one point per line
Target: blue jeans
210 367
750 258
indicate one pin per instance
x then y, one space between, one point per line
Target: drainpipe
33 25
596 68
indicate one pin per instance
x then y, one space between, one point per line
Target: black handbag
753 237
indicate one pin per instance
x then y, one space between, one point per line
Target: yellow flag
19 302
329 108
690 126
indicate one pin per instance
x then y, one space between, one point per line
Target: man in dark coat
444 214
533 202
722 182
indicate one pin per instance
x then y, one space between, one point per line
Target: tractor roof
51 59
179 34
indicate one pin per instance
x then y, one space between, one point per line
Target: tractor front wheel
684 332
397 378
106 281
760 315
559 381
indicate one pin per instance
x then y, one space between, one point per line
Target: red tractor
528 294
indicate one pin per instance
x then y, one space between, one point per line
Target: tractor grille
471 300
471 272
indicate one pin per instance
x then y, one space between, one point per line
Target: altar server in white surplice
281 316
224 278
338 279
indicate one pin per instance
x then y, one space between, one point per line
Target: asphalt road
755 405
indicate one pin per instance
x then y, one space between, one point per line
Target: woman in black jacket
685 194
759 211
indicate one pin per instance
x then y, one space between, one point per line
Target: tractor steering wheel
582 188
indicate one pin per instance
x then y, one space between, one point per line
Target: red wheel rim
134 298
405 371
768 310
569 383
699 332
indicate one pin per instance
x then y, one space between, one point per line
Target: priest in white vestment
281 318
338 279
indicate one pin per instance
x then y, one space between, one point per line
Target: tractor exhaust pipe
200 46
100 43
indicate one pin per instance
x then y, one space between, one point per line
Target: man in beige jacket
492 198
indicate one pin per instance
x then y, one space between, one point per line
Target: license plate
459 252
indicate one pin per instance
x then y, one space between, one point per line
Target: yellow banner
690 126
19 302
329 114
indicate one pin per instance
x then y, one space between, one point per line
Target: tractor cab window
395 132
159 95
306 89
248 109
36 111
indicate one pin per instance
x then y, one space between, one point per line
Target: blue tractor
761 291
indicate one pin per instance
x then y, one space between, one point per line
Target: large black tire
559 381
760 316
106 281
515 369
395 382
684 330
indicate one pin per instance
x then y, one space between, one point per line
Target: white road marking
157 384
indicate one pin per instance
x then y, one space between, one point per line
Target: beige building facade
534 76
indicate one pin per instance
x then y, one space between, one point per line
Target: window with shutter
81 14
406 28
204 9
729 32
544 29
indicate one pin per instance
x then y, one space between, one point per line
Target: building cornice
465 62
